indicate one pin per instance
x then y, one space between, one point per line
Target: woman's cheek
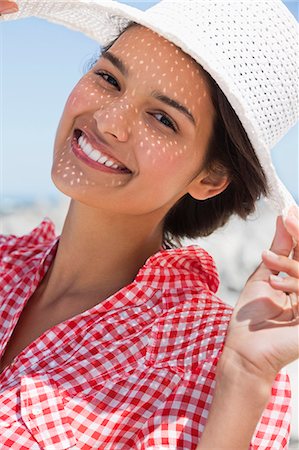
86 95
164 151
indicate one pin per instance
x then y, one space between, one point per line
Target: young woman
112 336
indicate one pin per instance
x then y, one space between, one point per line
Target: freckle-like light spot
73 173
78 180
141 144
64 175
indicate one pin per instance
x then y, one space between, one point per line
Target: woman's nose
115 120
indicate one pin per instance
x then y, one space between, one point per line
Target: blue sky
40 63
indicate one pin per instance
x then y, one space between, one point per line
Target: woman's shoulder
39 236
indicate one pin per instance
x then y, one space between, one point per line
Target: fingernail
270 254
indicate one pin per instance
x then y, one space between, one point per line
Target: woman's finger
7 7
285 284
277 263
291 222
282 243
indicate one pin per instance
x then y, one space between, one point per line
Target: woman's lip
94 164
100 145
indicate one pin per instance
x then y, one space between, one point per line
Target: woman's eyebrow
117 62
171 102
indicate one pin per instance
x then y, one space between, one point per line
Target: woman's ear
209 182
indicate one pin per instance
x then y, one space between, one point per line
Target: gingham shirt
136 371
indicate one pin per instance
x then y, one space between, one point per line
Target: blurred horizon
40 64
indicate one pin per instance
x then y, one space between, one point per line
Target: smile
95 158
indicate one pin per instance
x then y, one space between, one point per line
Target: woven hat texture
249 47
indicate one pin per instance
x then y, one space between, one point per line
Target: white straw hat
249 47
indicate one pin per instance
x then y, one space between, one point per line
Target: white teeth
95 155
102 159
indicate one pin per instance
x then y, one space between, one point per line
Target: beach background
40 63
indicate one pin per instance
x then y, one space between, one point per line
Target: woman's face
135 129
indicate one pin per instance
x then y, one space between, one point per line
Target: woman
112 338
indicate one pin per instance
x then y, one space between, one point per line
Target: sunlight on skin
163 161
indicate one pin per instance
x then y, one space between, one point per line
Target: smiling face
135 129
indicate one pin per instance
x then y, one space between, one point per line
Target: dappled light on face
152 115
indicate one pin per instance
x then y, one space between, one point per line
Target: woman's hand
7 7
263 333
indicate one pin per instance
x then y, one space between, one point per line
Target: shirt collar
176 268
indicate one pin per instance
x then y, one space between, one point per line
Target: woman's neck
98 254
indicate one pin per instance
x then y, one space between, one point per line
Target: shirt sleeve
180 421
273 429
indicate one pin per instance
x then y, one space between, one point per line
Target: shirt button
36 410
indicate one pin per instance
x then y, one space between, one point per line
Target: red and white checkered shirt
136 371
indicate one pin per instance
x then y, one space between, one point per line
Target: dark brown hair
230 152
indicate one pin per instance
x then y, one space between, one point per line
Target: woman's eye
165 121
108 78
